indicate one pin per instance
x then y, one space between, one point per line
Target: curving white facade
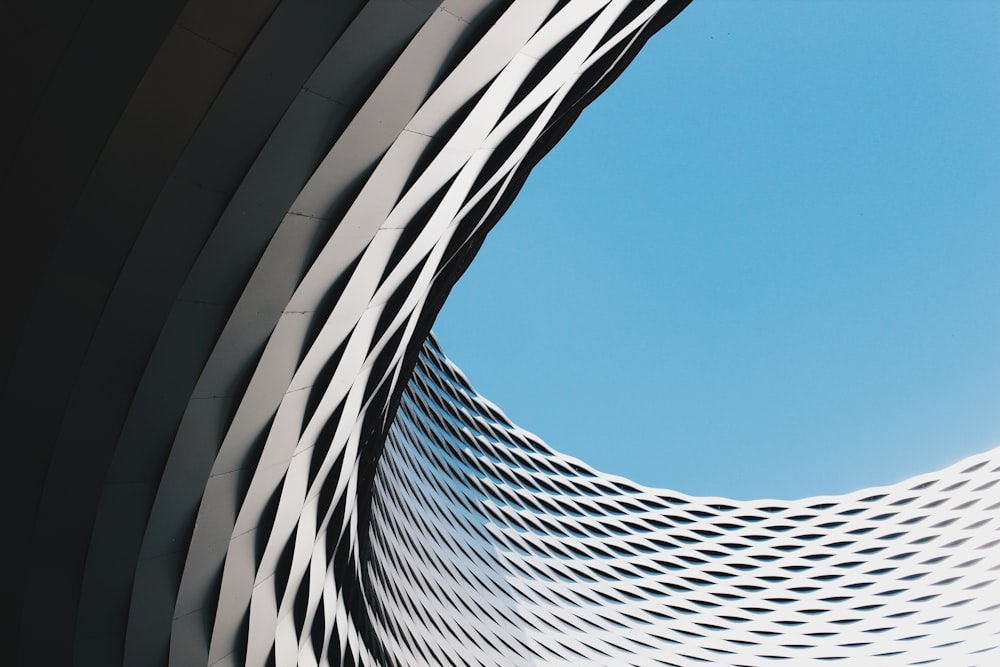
236 222
487 547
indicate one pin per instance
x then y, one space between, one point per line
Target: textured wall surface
490 548
229 225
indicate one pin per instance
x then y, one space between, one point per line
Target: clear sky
766 262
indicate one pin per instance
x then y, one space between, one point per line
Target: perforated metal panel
490 548
231 226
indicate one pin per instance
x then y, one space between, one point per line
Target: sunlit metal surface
233 224
490 548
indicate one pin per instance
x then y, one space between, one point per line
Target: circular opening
766 263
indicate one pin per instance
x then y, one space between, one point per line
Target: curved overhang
488 547
229 228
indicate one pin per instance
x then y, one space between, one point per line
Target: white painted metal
490 548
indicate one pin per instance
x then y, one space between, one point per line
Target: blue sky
766 262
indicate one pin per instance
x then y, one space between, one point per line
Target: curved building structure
229 228
489 548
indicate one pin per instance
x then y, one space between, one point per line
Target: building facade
486 547
229 228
